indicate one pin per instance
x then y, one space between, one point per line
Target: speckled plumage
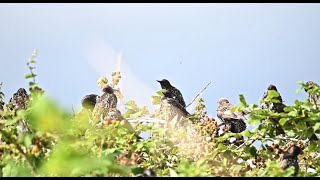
315 100
176 94
20 99
277 107
104 103
234 121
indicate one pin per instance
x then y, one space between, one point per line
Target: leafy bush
57 143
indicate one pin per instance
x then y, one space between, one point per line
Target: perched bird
176 94
277 107
147 173
104 104
234 121
89 101
315 100
20 99
169 108
290 158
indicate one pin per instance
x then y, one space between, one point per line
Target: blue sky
240 48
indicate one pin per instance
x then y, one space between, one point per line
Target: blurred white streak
105 59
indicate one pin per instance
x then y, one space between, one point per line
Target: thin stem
198 94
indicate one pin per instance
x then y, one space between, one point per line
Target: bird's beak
158 81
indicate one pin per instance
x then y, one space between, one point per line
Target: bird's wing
178 96
225 113
174 103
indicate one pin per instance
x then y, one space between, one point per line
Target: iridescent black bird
234 121
169 108
105 103
290 158
315 100
277 107
89 101
176 94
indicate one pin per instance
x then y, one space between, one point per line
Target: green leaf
282 121
253 151
272 94
298 90
31 61
316 126
300 82
312 146
254 120
234 109
30 76
242 100
222 147
155 100
137 170
160 92
27 140
246 133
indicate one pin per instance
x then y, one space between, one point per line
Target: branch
244 143
198 94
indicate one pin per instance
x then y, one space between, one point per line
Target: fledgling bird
20 99
290 158
315 100
234 121
104 104
89 101
277 107
169 108
176 94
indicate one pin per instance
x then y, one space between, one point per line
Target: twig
198 94
246 142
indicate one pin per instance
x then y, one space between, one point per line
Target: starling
315 100
290 158
169 108
277 107
104 103
147 173
20 99
234 121
89 101
165 84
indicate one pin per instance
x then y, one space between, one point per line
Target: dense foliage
57 143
